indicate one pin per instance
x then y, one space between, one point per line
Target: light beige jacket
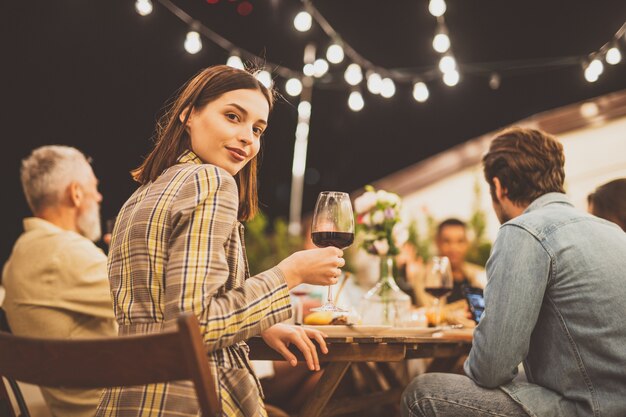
57 287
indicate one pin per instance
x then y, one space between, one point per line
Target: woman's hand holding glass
313 266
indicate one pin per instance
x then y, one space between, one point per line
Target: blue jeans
451 395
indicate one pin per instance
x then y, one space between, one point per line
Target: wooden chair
113 362
6 384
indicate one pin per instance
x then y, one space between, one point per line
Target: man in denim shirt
555 300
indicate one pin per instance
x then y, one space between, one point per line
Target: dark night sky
94 74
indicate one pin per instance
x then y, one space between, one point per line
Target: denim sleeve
517 271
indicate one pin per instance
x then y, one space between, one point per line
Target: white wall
593 156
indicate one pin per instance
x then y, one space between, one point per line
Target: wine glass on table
438 283
333 225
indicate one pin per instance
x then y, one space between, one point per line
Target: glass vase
385 303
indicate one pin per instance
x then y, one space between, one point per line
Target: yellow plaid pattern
178 247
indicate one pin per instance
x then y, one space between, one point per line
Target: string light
451 78
355 101
494 81
264 78
320 67
308 70
441 41
334 53
303 21
353 74
447 63
388 88
437 7
193 43
374 83
596 66
143 7
293 86
613 56
235 62
420 92
591 75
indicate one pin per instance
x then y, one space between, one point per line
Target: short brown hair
529 163
172 139
609 202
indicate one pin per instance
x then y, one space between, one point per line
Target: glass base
330 307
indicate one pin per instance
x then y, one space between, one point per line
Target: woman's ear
183 114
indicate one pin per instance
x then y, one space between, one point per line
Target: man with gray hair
56 277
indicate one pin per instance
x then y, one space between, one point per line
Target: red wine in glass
339 240
438 292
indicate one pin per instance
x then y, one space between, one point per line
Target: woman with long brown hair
178 247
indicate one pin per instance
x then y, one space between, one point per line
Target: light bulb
451 78
235 62
613 56
447 63
388 88
304 109
320 67
264 78
353 74
293 86
591 75
420 92
374 83
143 7
437 7
596 66
355 101
494 81
308 70
441 43
334 53
302 22
193 43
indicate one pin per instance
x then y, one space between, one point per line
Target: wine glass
438 283
333 225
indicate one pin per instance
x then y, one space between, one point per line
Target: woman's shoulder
200 177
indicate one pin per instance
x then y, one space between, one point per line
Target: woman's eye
232 116
257 131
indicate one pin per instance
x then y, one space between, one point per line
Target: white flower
400 234
365 202
366 219
381 246
388 198
378 217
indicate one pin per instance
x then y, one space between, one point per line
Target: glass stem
329 298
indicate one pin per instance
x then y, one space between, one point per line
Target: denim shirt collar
549 198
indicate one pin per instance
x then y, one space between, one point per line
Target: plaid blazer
177 247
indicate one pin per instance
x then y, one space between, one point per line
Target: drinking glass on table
438 283
333 225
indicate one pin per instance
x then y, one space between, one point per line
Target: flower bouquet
381 232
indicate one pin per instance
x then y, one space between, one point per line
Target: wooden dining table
378 351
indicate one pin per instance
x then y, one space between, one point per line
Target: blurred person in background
608 201
56 277
451 241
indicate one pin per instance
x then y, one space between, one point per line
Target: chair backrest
112 362
6 405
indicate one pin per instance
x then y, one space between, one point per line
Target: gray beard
89 224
